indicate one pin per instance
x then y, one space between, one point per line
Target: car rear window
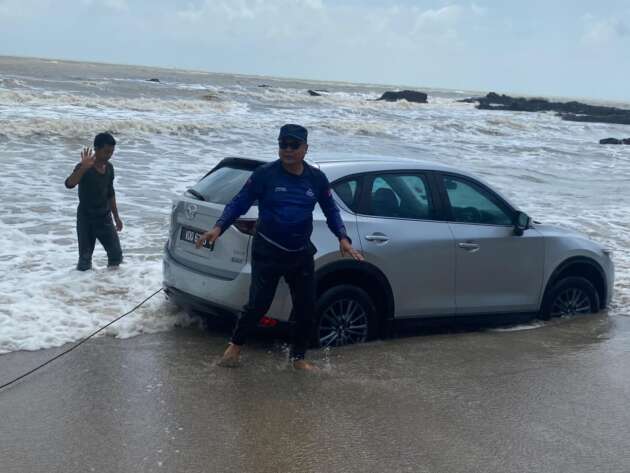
223 184
347 191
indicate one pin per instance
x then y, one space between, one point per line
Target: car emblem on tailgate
191 210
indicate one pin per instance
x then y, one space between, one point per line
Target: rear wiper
196 194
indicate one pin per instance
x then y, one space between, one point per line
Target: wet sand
547 399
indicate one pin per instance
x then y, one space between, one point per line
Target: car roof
340 165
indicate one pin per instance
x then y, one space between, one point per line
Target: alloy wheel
571 301
343 322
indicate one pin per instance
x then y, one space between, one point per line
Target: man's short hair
103 139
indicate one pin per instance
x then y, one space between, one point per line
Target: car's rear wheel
570 296
345 315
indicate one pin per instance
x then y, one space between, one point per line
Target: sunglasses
289 144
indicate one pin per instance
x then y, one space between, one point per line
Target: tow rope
78 343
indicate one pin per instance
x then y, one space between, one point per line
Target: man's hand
119 224
209 236
346 248
87 161
87 158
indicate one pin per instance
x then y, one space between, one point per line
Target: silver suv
436 241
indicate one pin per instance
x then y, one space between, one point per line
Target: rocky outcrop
617 118
572 111
614 141
408 95
316 92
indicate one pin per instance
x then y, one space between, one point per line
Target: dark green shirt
95 191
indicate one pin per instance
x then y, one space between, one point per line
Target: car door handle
472 247
376 237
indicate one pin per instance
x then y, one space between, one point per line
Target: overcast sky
572 48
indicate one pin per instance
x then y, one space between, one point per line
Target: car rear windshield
222 185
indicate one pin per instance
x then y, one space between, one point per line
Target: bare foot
304 365
231 357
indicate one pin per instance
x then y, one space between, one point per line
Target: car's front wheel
570 296
345 315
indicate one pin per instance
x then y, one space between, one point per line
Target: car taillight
267 322
246 226
173 220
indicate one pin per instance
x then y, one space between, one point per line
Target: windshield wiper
196 194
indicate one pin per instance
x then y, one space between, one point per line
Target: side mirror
522 222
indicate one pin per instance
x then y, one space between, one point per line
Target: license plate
192 236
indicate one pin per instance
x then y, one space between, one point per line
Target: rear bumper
192 303
188 287
229 295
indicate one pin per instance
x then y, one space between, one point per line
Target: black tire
345 315
570 296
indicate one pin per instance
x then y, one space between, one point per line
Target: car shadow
401 328
463 324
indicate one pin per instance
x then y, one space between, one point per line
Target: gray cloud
598 31
529 46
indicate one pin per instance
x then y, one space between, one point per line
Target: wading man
286 190
97 203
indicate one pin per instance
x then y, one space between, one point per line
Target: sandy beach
535 399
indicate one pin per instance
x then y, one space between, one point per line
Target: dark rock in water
572 111
408 95
210 97
264 85
618 118
494 101
153 80
316 92
614 141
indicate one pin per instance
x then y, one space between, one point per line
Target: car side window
347 191
471 204
399 196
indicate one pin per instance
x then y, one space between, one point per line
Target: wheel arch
580 266
366 276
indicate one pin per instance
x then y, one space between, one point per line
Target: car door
496 270
399 235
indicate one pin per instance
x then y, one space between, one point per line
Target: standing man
97 202
287 191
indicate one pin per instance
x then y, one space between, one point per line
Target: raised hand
87 158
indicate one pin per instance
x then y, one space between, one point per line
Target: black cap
297 132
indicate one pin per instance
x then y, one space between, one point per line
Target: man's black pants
90 229
269 263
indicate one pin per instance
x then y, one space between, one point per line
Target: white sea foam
169 136
519 327
36 100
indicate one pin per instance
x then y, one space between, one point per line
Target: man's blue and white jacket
285 205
